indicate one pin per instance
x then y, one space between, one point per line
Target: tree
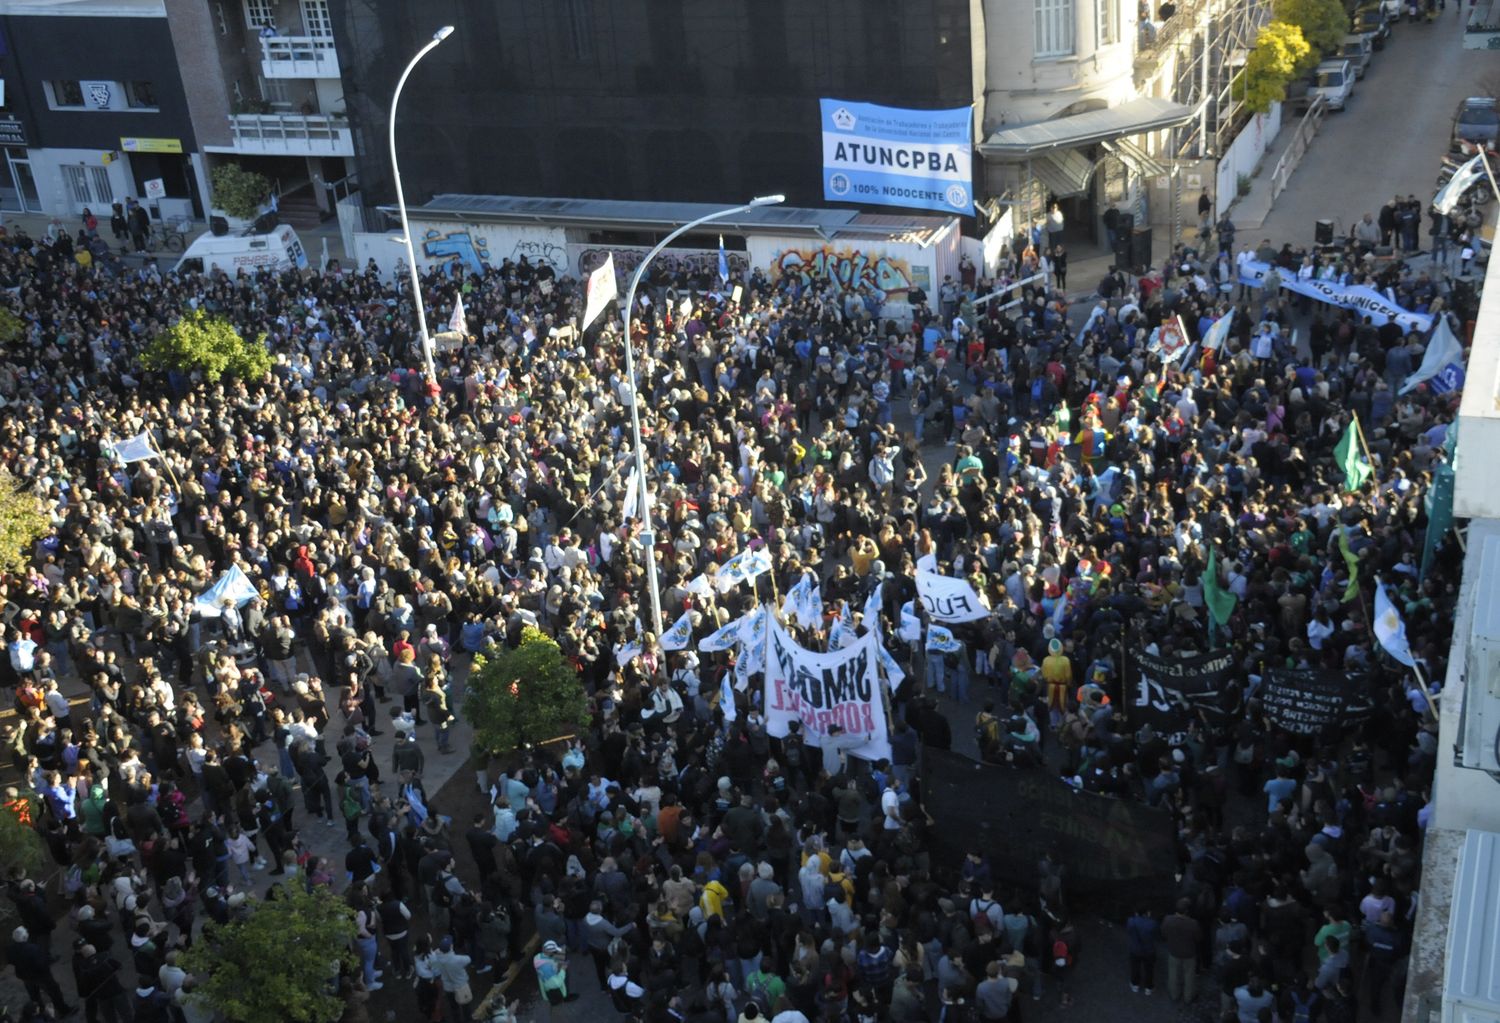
21 849
210 345
278 963
12 327
1272 63
1323 23
23 522
526 695
239 192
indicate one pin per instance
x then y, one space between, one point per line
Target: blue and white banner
233 586
722 639
1442 368
680 634
1380 308
887 156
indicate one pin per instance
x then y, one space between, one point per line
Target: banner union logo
843 119
958 195
838 184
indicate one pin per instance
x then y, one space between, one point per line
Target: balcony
291 135
298 57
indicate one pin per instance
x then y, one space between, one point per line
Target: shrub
23 522
1273 62
209 345
526 695
239 192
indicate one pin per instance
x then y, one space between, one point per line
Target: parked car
1371 21
1476 122
1334 81
1358 51
1391 9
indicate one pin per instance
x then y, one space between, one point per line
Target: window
66 93
260 14
1054 27
140 95
1106 22
316 19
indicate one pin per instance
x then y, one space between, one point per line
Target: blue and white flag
627 652
872 607
680 634
752 658
723 262
744 566
726 699
1390 629
458 321
804 603
700 586
1218 333
1442 367
893 673
722 639
233 586
840 635
135 449
752 628
909 629
1463 179
940 639
846 615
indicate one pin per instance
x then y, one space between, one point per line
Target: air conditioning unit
1471 971
1481 710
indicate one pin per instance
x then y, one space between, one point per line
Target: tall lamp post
648 536
411 255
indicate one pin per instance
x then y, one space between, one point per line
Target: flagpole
1495 188
1365 447
151 439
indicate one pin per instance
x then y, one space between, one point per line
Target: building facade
94 109
657 100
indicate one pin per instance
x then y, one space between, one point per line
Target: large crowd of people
675 858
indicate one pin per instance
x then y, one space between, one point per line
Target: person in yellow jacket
712 900
1057 670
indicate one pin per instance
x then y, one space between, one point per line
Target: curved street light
648 534
411 256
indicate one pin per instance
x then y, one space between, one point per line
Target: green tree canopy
23 522
526 695
210 345
239 192
277 964
21 849
1323 23
1273 62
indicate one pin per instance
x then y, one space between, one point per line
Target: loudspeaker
218 225
1140 250
265 223
1323 232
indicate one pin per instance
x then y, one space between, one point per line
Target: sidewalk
1249 212
35 225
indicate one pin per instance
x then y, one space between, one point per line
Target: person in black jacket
99 985
33 966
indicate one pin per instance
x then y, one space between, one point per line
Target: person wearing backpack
763 987
986 915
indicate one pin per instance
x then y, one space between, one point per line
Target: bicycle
172 237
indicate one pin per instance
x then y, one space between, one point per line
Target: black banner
1307 701
1117 852
1169 693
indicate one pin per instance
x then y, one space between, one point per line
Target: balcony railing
291 134
298 57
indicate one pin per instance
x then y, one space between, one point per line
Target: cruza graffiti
446 247
850 267
670 261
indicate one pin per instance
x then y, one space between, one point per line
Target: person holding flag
1350 459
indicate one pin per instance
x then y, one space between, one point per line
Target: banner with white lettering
1169 693
1312 701
948 599
887 156
1364 300
822 690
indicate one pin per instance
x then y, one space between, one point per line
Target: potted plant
238 194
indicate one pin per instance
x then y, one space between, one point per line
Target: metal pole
648 534
411 256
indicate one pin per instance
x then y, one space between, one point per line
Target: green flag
1352 561
1348 458
1219 600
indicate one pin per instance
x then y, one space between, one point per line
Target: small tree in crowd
239 192
210 345
21 849
12 327
22 523
277 965
1279 48
526 695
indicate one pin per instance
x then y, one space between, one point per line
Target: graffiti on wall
673 261
538 252
444 248
851 268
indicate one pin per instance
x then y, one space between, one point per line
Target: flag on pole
627 652
1214 337
1350 461
726 698
458 321
602 290
840 635
893 673
941 639
1439 502
233 586
1351 562
872 608
721 639
632 503
723 262
135 449
909 628
1442 362
1390 629
1463 179
1219 600
681 632
753 628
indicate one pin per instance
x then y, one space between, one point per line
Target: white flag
631 507
872 608
458 322
1390 629
602 290
135 449
726 699
679 634
1443 350
909 628
948 599
1214 337
840 635
722 639
1463 178
685 308
699 586
627 652
752 633
893 673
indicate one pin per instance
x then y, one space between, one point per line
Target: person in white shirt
890 805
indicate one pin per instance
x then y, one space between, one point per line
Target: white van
277 250
1334 81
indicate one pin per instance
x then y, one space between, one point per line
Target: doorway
18 192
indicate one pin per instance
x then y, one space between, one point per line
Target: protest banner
820 690
1169 693
1380 308
1310 701
1117 852
948 599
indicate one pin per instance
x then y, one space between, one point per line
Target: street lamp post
411 256
648 535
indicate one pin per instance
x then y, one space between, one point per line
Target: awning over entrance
1134 117
1065 172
